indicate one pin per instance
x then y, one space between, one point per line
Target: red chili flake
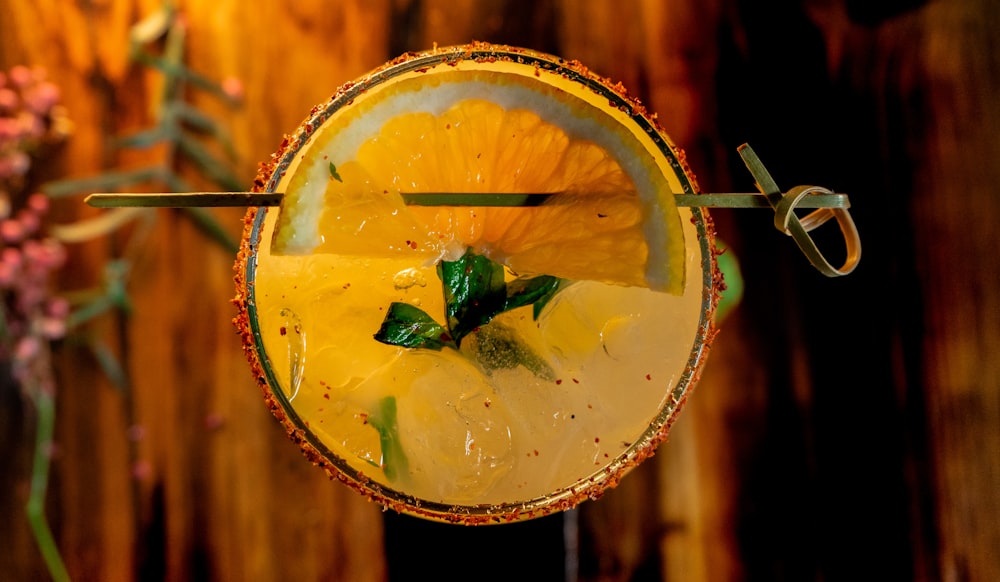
347 285
575 381
282 330
327 396
536 452
601 215
447 126
597 439
413 244
364 417
649 377
559 381
487 403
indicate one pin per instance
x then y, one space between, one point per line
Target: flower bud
11 231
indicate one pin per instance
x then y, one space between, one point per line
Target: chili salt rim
587 488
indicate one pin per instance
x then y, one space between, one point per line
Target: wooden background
845 429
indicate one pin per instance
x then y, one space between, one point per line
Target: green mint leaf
474 292
410 327
529 291
550 292
500 347
383 420
334 174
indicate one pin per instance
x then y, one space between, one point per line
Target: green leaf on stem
383 420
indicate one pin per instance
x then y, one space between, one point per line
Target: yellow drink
531 412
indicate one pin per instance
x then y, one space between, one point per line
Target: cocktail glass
455 435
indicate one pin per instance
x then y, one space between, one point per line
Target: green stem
35 508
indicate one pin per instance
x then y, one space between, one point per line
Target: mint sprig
475 291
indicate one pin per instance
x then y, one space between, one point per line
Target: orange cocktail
478 301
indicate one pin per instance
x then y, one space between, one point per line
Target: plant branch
35 508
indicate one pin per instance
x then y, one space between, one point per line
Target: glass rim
590 487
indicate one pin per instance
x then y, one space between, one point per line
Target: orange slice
611 217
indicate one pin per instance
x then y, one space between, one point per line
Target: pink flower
29 220
9 127
44 254
8 99
58 307
53 328
20 76
12 257
38 202
27 348
41 98
55 253
11 231
233 88
214 421
8 275
136 433
142 470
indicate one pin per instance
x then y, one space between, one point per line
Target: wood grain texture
843 428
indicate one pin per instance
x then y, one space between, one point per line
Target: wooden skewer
246 199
